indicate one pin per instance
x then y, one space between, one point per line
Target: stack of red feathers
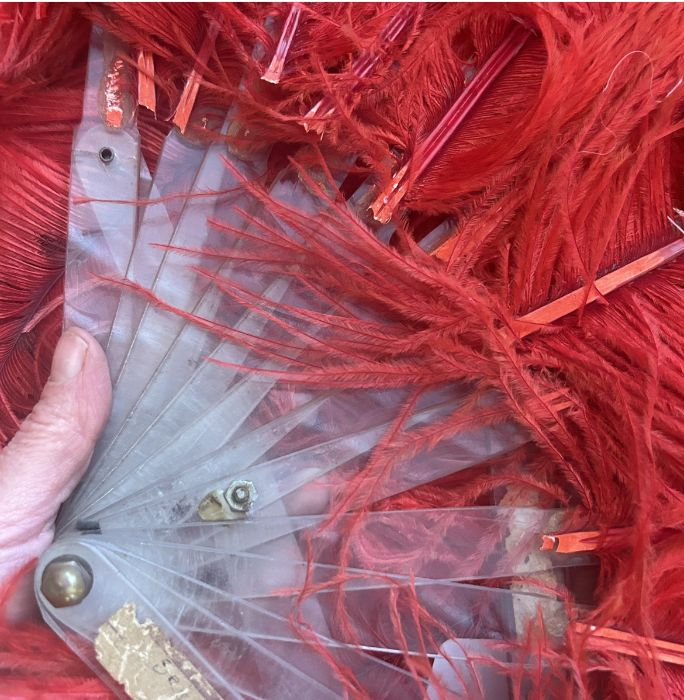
544 142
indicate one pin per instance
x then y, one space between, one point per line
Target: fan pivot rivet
66 581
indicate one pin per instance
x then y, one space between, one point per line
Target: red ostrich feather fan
528 158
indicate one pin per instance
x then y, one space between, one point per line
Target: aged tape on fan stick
144 661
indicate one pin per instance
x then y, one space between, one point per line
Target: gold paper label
142 659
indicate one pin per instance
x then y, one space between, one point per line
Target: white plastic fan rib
510 533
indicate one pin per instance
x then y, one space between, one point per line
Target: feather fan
388 201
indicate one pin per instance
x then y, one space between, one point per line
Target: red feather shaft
146 89
277 65
567 304
387 201
364 64
571 542
114 94
617 641
186 103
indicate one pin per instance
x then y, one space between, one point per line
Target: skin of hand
46 458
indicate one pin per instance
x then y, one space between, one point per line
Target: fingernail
69 357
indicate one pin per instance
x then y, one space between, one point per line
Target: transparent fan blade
301 473
205 607
195 407
204 412
105 166
136 483
258 663
203 601
448 543
163 348
177 169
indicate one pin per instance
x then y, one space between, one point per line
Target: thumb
44 461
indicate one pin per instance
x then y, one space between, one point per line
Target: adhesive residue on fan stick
142 659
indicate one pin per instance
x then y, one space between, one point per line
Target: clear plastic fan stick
171 367
170 578
181 580
177 169
264 632
150 396
264 626
169 457
138 417
210 305
203 413
145 187
328 450
269 672
182 485
158 332
189 181
262 609
261 577
195 412
416 618
242 664
301 470
374 614
162 341
464 544
488 542
199 393
178 285
435 238
105 166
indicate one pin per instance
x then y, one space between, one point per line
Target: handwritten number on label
166 668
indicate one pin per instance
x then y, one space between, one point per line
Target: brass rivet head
66 581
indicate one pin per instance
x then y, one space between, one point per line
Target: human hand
44 461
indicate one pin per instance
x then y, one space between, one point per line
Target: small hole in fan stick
106 155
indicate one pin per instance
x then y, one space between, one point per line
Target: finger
46 458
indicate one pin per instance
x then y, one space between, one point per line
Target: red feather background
547 141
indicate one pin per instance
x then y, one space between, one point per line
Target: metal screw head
66 581
240 496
